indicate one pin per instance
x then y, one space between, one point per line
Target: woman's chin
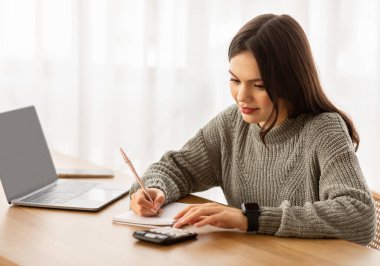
250 120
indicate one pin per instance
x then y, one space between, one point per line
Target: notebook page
165 218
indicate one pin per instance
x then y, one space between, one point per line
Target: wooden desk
36 236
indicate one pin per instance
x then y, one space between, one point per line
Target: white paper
165 218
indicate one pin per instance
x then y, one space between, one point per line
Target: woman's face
248 91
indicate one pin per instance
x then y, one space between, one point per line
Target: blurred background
147 74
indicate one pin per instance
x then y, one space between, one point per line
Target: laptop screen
25 161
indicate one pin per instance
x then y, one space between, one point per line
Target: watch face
250 207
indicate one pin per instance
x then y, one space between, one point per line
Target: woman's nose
244 95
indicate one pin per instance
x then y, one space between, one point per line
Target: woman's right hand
141 205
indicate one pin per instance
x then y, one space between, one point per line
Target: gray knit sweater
307 179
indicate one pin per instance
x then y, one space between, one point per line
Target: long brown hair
287 68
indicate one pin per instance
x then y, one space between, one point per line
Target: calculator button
161 237
150 235
141 233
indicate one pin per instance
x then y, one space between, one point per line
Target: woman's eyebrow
254 80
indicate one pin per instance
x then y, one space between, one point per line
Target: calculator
164 235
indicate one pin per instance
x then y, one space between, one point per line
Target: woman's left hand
212 213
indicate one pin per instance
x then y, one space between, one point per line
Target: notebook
28 174
164 219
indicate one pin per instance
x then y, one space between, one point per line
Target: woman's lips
247 110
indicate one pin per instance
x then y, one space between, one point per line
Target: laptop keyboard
60 193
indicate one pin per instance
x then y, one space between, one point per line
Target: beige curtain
146 75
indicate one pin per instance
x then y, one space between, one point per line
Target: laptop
28 175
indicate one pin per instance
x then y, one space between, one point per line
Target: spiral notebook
164 219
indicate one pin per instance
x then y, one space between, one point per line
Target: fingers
193 214
185 210
197 214
213 220
141 205
159 200
228 218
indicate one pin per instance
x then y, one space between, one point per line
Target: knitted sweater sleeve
195 167
345 208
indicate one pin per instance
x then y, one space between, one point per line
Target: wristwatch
252 211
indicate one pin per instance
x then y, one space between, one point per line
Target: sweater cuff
269 220
159 184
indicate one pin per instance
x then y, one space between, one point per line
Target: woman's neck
282 115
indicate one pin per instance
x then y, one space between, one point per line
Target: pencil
129 163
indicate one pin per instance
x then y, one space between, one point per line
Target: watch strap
252 212
253 220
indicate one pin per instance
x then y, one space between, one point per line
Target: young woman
284 155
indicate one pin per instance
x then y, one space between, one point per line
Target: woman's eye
235 81
260 86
